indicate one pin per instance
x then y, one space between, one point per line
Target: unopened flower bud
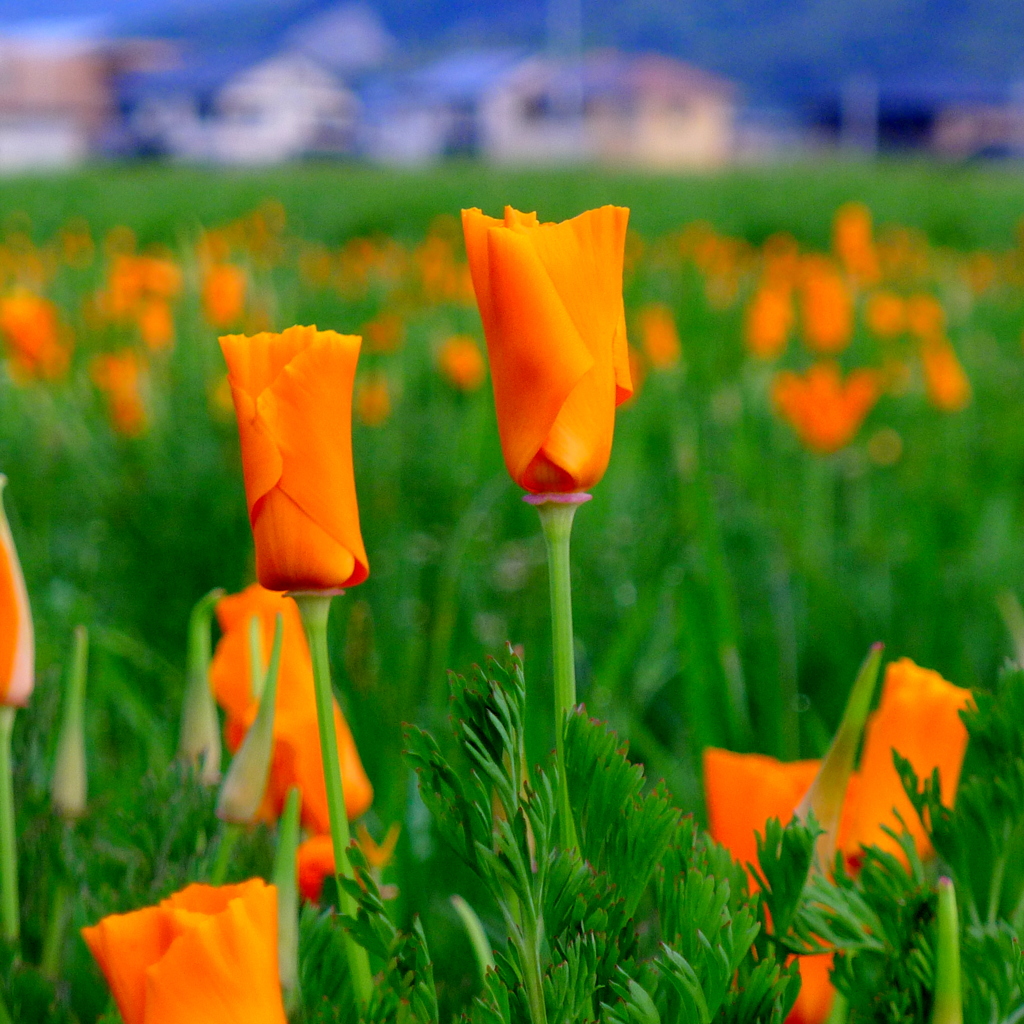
241 793
199 742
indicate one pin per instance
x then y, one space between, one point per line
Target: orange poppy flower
885 313
743 791
315 858
30 326
119 375
296 758
925 316
373 400
17 637
853 242
919 716
156 324
944 376
768 321
293 400
385 332
814 1003
659 336
550 297
824 410
224 288
206 955
826 306
461 362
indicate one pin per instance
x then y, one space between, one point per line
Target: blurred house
640 111
419 116
281 99
612 108
947 116
57 92
230 108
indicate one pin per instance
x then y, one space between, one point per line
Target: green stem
840 1010
477 936
286 881
49 963
9 915
315 608
948 1007
5 1014
534 977
556 518
228 840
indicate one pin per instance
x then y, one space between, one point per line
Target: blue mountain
776 49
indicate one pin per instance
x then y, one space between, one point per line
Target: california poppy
659 336
206 955
224 288
315 858
948 386
885 313
925 316
120 376
17 638
743 791
385 332
373 400
919 717
826 306
156 324
825 410
550 297
31 329
461 362
853 242
293 399
296 758
769 320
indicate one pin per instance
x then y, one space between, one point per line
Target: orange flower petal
293 397
744 791
315 862
919 716
124 946
550 297
814 1003
17 638
222 967
296 759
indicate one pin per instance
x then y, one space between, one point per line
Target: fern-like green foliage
647 921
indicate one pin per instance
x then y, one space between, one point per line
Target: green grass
957 204
717 557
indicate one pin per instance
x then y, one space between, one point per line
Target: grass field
728 581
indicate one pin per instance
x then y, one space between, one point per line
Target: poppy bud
242 791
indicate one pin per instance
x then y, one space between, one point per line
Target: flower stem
556 516
231 832
948 1007
49 963
286 880
9 915
314 608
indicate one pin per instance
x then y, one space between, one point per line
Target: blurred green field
727 582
